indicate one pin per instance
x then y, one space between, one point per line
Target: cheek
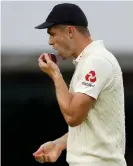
65 43
62 43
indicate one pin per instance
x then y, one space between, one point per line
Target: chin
63 58
60 55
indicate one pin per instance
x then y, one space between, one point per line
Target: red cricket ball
52 57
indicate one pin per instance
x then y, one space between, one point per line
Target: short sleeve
96 72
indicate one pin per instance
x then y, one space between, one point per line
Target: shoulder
98 62
102 57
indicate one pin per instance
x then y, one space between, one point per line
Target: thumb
39 151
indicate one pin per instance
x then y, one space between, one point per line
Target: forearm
64 97
62 141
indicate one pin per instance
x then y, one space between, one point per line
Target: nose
51 40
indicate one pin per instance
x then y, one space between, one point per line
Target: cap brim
44 25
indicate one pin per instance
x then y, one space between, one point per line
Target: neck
81 45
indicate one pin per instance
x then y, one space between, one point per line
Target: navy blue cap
65 14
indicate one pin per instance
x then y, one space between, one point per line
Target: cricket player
93 105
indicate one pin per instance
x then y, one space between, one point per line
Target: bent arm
74 107
62 141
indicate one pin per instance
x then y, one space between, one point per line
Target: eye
52 34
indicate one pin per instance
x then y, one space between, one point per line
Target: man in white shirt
93 106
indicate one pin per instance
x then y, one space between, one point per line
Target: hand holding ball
48 64
52 57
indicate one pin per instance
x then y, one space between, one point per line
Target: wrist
56 77
59 145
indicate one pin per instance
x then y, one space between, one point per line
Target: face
60 39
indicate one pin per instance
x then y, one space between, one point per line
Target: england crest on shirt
90 79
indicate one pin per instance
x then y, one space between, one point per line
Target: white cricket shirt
100 139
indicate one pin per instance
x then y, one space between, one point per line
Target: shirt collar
88 48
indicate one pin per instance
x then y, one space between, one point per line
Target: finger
57 63
39 151
39 158
43 65
34 154
41 59
37 154
45 158
50 159
41 56
47 57
36 157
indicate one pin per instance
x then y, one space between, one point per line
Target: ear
71 31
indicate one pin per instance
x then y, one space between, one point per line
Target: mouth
55 48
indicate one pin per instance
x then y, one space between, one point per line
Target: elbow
72 122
